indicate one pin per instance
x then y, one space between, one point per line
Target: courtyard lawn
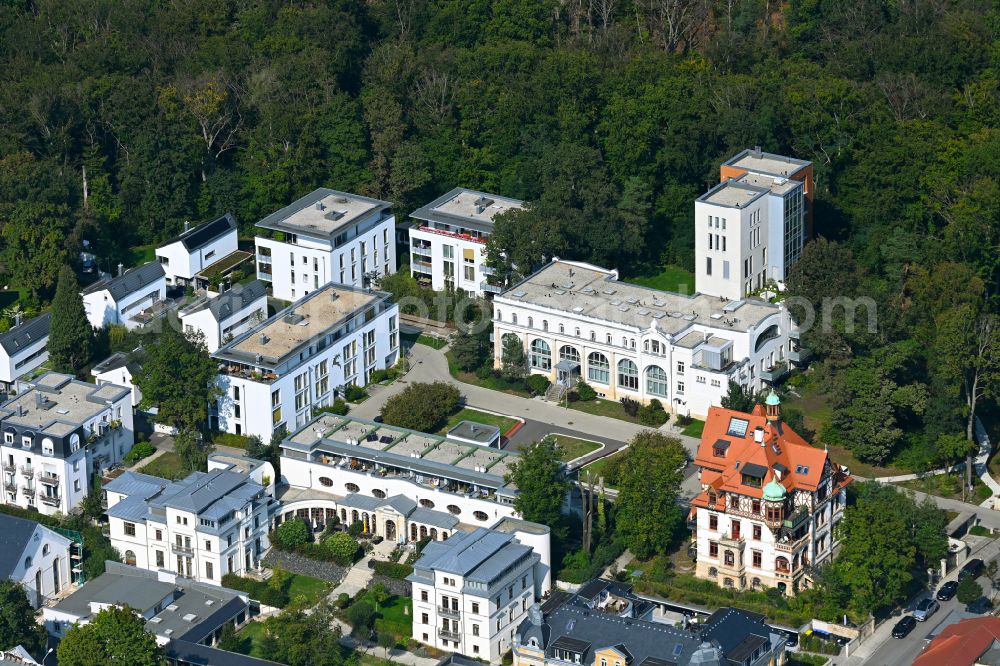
671 278
600 407
141 254
306 591
596 468
167 466
250 637
505 423
431 341
491 382
395 616
574 447
694 429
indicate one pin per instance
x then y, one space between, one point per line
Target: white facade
471 592
197 248
326 236
36 557
222 318
120 299
203 527
23 348
629 341
56 435
448 241
118 369
301 359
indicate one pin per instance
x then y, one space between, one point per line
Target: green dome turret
772 399
774 491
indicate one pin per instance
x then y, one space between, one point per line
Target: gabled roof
202 655
128 282
15 533
962 643
203 234
228 303
27 334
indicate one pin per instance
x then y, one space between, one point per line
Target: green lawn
600 407
141 254
491 382
431 341
671 278
395 616
802 659
167 466
596 468
251 636
574 447
505 423
306 591
694 429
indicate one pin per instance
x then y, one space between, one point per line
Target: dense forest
123 119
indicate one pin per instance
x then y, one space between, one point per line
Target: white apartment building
769 505
56 433
119 369
197 248
751 227
120 299
472 591
34 556
300 359
202 527
23 348
448 240
221 318
578 321
326 236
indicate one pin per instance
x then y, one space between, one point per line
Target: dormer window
26 441
719 448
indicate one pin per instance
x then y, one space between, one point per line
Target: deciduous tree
540 477
17 619
178 377
115 635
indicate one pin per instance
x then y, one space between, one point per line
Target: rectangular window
129 529
713 522
209 571
756 532
680 367
708 265
475 607
208 545
757 558
423 595
713 549
710 242
159 559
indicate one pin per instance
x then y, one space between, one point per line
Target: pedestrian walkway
358 576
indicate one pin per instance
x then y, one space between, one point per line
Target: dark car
904 627
972 568
979 606
947 590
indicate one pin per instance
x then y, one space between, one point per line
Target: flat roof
733 193
68 403
476 432
769 163
312 316
589 291
779 186
323 212
467 207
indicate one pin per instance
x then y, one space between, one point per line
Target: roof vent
341 199
320 205
264 339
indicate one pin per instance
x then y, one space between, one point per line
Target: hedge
395 570
257 589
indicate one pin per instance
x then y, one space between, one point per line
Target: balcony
263 259
27 470
800 355
791 546
8 467
449 635
453 234
775 373
184 550
489 288
51 500
449 612
422 250
10 483
736 543
50 478
29 491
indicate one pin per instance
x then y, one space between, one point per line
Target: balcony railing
421 250
732 542
27 470
453 234
450 635
50 478
29 491
791 546
9 483
180 548
800 355
8 467
263 258
774 373
51 500
449 612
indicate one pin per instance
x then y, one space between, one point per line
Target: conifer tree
70 333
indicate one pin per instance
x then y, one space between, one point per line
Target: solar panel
738 427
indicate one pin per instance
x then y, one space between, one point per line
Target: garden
574 447
167 465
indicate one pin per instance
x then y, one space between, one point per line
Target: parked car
904 627
972 568
980 606
947 590
925 609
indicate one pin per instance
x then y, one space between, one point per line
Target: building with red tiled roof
963 644
769 501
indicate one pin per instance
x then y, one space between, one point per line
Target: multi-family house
472 591
56 434
197 249
37 557
203 527
219 319
604 623
326 236
751 227
448 240
122 299
577 322
275 374
769 503
23 348
119 369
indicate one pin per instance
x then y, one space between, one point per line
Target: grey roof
129 282
498 562
27 334
435 518
210 495
476 432
459 660
205 233
225 305
458 207
136 483
464 553
186 652
14 536
113 362
345 209
735 630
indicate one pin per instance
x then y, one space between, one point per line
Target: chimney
758 435
757 152
187 226
121 269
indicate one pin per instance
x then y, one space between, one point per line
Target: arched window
498 316
129 558
781 564
712 572
531 322
569 353
454 509
656 381
598 369
541 355
628 375
27 562
729 558
545 325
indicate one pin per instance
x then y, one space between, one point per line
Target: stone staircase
555 393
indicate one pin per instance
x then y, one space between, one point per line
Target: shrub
684 421
361 615
537 384
342 548
139 451
339 407
291 534
630 406
651 416
392 569
585 391
423 407
343 600
377 376
573 396
355 528
276 596
485 372
353 393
